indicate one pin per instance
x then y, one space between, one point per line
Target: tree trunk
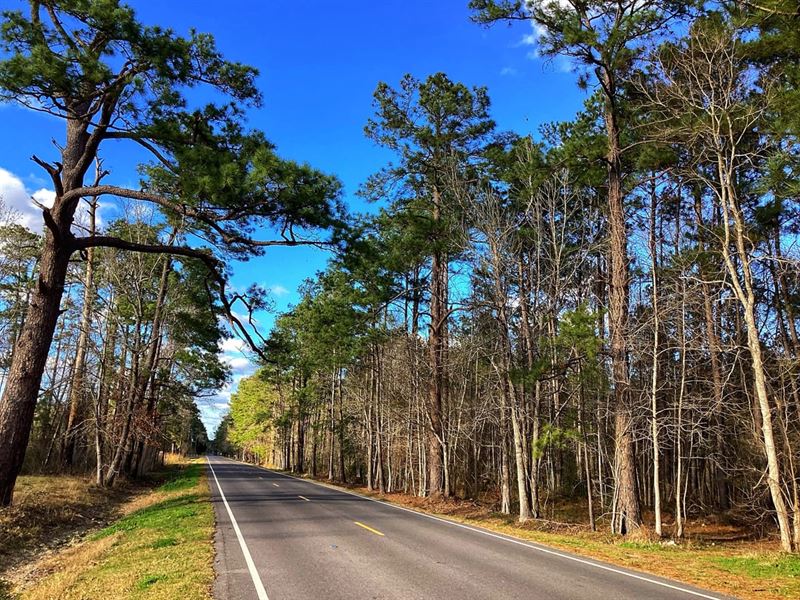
436 342
628 510
654 367
77 393
153 350
744 290
712 339
18 403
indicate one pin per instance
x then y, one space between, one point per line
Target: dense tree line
137 343
605 312
111 332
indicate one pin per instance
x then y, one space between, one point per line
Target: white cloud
213 408
232 345
508 71
278 290
22 202
44 196
238 364
234 354
532 39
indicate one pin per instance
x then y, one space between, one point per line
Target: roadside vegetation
605 312
600 314
110 330
161 548
712 556
50 511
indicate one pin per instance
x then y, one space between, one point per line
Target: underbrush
160 547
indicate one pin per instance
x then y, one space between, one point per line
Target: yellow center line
368 528
304 498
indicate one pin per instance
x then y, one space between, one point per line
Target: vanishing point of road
281 538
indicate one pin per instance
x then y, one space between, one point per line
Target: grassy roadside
50 510
161 549
743 569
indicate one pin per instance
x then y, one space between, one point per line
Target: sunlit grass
161 550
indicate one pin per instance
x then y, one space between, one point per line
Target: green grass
161 550
744 569
780 574
170 515
763 566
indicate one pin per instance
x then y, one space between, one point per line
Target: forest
604 313
112 331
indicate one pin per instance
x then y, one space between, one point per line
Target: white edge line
497 536
260 591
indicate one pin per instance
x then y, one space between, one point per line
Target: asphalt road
279 537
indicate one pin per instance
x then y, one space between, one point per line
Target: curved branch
107 241
127 135
210 220
213 264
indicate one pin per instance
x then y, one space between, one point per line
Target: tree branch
213 264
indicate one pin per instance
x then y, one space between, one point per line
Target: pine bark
628 517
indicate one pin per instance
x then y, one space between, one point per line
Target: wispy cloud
533 39
508 71
278 290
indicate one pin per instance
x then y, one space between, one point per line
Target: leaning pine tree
92 64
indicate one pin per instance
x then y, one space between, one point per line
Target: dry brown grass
62 570
162 548
49 511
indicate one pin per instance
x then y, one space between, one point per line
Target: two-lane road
279 537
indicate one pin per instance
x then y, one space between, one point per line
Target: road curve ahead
279 537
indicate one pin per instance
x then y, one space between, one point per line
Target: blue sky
319 63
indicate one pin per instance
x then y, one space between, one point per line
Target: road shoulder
743 570
162 548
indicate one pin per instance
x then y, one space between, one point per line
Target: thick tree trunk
18 403
436 343
628 511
